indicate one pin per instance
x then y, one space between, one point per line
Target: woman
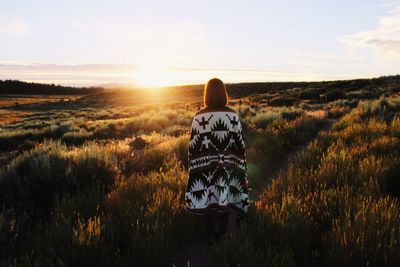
217 164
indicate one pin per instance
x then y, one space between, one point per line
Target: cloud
15 27
385 39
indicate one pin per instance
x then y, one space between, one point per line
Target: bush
31 181
76 137
264 150
283 101
309 94
263 119
335 95
379 108
140 222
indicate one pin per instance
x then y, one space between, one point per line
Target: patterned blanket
217 163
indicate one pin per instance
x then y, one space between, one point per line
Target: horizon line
118 85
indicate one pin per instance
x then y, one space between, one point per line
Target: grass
104 185
335 199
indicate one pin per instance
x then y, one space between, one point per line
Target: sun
152 76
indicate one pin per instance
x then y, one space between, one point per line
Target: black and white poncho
217 163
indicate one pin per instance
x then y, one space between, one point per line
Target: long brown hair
215 94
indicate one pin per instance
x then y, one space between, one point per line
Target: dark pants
223 218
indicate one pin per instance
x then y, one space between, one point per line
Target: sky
156 43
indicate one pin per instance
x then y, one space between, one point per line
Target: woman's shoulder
219 109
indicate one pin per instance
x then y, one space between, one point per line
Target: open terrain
9 105
99 179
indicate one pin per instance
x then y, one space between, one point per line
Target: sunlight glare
152 76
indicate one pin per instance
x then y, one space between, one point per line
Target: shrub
140 222
283 101
264 150
395 127
263 119
31 181
243 110
309 94
76 137
335 95
154 156
378 108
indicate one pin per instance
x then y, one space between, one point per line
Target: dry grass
11 107
103 185
9 100
10 116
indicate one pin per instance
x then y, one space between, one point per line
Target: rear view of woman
217 165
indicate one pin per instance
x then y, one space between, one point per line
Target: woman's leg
239 219
223 222
209 223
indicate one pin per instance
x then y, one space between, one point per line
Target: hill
236 90
13 87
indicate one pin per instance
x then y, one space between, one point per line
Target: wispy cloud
15 27
385 38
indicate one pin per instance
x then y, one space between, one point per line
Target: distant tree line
323 87
14 87
309 90
304 90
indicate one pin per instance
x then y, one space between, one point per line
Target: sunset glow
152 76
157 43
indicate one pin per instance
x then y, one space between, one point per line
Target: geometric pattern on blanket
217 163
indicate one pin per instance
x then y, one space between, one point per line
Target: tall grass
97 209
337 203
106 188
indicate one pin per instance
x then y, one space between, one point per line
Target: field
8 115
99 179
